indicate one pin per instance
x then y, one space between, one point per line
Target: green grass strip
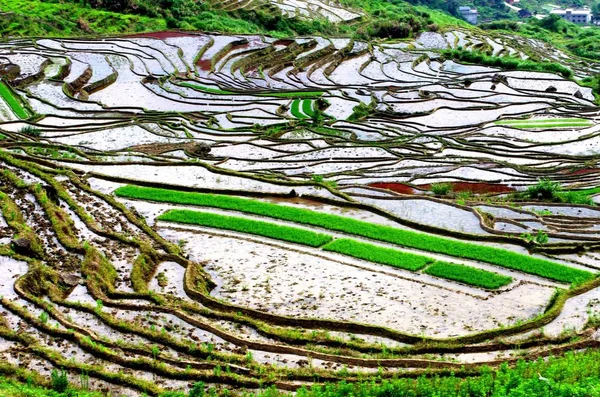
296 109
293 94
286 94
407 238
382 255
12 101
307 107
545 123
244 225
208 90
530 126
468 275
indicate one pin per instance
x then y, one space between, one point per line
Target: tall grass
244 225
405 238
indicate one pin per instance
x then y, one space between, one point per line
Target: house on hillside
523 13
469 14
582 17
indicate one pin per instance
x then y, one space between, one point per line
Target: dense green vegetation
468 275
573 375
12 101
406 238
381 19
553 29
549 190
12 388
38 18
506 62
377 254
244 225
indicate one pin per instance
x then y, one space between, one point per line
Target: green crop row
12 101
244 225
307 107
295 110
468 275
382 255
406 238
551 121
353 248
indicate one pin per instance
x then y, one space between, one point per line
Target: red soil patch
394 186
585 171
159 35
283 42
204 64
475 187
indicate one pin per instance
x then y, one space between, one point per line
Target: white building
583 17
469 14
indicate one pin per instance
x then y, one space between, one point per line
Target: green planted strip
237 224
296 109
208 90
407 238
293 94
307 107
545 123
12 101
382 255
468 275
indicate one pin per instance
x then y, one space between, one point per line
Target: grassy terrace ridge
12 101
244 225
467 275
382 255
406 238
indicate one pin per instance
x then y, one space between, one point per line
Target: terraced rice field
251 212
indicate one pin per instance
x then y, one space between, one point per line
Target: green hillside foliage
382 19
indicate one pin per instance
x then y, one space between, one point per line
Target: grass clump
406 238
548 190
237 224
441 188
382 255
468 275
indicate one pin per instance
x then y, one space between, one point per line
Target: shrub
30 130
441 189
60 381
545 189
197 390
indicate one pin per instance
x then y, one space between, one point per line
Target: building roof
573 12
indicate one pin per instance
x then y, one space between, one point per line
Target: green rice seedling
12 101
307 107
467 275
377 254
296 109
406 238
244 225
